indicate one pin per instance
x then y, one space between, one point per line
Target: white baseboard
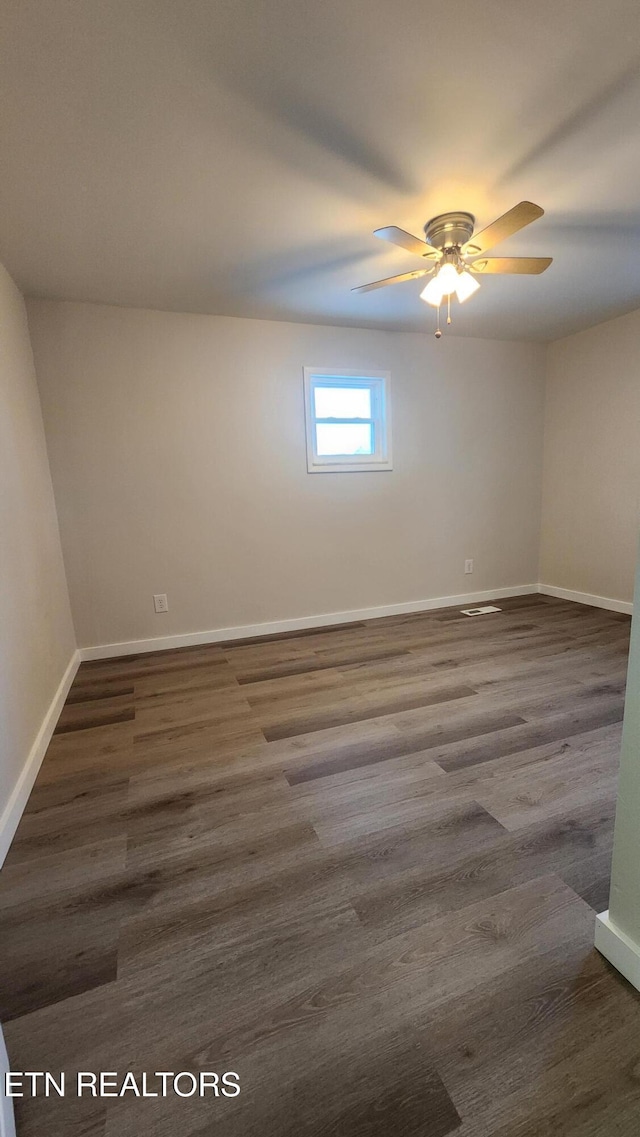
615 946
13 810
587 598
274 627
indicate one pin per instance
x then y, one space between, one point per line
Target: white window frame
379 383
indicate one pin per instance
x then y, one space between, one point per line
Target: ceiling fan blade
406 241
394 279
521 215
511 264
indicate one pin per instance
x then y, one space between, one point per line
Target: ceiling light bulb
433 292
466 285
448 278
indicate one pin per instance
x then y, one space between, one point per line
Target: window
348 421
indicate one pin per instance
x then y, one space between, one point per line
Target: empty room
320 507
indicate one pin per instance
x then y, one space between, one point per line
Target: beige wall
36 634
591 494
178 457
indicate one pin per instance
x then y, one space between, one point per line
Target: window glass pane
344 438
342 402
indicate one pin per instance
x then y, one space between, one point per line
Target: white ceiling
234 156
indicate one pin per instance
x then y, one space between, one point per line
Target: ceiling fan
456 253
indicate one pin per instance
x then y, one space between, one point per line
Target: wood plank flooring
357 866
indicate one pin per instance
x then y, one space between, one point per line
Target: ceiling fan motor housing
449 230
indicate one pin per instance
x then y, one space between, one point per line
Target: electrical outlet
468 565
160 602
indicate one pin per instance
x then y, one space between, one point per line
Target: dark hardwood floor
357 866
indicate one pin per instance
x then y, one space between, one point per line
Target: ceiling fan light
433 292
448 278
466 285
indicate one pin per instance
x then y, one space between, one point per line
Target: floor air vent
480 611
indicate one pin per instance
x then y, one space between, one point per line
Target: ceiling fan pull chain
438 332
449 308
